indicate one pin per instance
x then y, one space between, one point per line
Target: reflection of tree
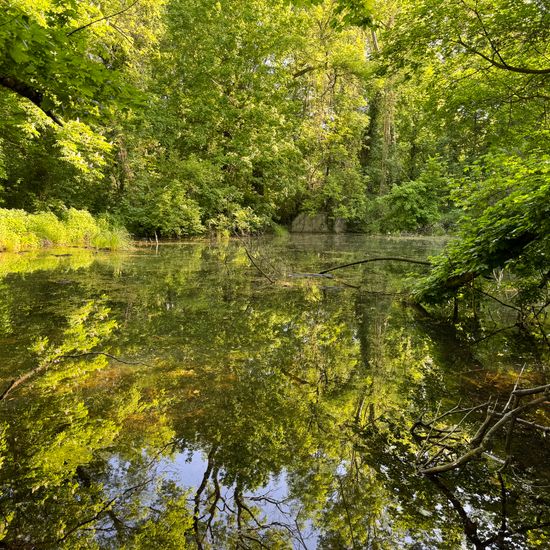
292 381
500 535
446 446
56 442
226 517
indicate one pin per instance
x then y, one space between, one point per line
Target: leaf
18 54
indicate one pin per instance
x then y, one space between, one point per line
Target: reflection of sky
187 471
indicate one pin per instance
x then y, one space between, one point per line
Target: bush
20 230
14 233
47 227
417 205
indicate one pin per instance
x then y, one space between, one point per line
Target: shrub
81 227
47 228
20 230
14 233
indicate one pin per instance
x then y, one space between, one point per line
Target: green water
180 397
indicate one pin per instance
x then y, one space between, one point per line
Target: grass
20 230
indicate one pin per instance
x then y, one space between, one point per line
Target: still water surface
182 397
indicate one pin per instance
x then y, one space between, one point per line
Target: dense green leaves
182 117
506 200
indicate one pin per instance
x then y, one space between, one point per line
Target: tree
62 73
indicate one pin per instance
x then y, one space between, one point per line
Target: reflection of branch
216 498
381 259
241 507
198 494
104 355
104 509
471 527
487 430
24 377
348 517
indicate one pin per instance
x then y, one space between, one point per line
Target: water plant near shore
21 231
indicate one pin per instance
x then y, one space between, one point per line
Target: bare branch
484 435
380 259
102 18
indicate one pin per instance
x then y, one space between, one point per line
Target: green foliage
180 117
64 70
165 201
256 119
506 224
169 528
22 231
416 206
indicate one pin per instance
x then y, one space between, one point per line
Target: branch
28 92
497 300
307 69
102 19
532 391
484 436
381 259
503 65
250 257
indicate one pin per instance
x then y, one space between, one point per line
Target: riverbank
21 231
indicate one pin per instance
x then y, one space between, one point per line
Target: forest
274 274
175 118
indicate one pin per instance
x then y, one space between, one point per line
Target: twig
102 18
494 333
257 266
497 300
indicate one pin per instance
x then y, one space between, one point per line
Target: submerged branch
380 259
253 262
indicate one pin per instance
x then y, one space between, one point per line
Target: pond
218 395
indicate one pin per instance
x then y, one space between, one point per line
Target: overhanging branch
32 94
503 64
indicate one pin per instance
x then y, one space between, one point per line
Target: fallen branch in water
253 262
380 259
